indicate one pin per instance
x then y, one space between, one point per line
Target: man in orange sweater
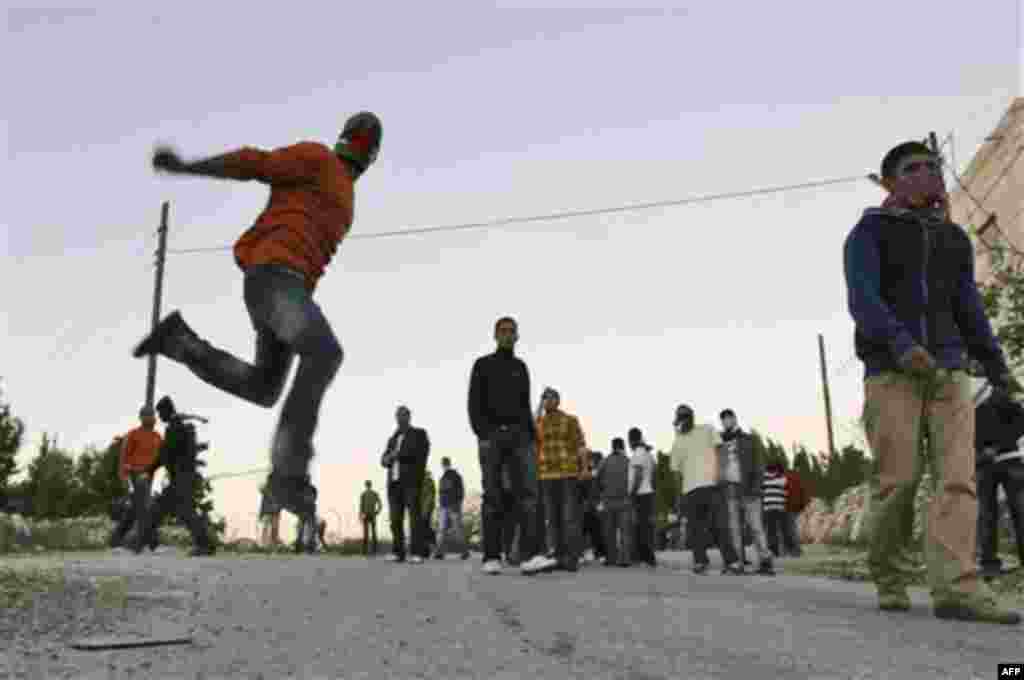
139 449
282 256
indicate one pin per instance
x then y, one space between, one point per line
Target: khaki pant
910 423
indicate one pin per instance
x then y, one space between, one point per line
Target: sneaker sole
962 613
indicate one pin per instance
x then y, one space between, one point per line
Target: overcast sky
488 113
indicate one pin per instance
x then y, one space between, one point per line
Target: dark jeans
403 499
512 451
643 532
617 518
791 534
1009 474
593 531
141 487
562 509
508 526
177 500
707 508
288 323
370 535
775 522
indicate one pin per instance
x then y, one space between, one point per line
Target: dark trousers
791 534
508 526
509 451
370 535
429 535
643 532
593 531
775 522
404 499
288 323
1009 474
562 510
141 488
708 513
176 500
617 518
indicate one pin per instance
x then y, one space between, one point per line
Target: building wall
995 179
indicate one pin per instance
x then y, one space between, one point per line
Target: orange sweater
139 450
309 211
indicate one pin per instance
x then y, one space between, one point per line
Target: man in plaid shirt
561 462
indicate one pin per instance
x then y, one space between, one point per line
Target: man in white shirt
642 465
695 456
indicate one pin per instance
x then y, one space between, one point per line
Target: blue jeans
509 451
288 323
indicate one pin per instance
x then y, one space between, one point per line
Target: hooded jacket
750 456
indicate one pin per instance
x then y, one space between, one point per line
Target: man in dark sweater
918 316
501 418
451 493
1000 461
614 478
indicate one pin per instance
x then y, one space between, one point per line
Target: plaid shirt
560 446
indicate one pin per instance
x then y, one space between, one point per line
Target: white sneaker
162 550
416 559
538 563
120 550
492 567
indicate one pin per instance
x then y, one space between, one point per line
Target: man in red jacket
282 256
797 499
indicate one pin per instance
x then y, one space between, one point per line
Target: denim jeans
141 488
561 507
708 512
617 517
450 521
510 451
288 323
752 518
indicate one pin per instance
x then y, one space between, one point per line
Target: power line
571 213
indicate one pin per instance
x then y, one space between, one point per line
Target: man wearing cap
561 461
695 456
283 256
179 457
918 315
139 450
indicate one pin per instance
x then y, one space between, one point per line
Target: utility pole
158 291
828 401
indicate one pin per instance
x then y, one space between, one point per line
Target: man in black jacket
749 455
999 434
501 418
918 314
405 458
179 456
451 493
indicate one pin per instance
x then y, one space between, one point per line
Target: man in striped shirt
773 493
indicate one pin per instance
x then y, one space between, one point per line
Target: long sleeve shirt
139 451
309 212
560 446
499 394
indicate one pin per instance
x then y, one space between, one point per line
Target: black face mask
684 423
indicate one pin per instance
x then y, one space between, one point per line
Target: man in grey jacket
750 460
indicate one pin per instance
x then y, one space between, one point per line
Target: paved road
323 617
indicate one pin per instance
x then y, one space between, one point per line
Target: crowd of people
918 317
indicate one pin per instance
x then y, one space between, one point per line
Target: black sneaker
465 555
766 568
173 324
700 567
730 569
203 551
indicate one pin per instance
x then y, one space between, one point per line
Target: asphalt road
324 617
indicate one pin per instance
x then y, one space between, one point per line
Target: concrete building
991 198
